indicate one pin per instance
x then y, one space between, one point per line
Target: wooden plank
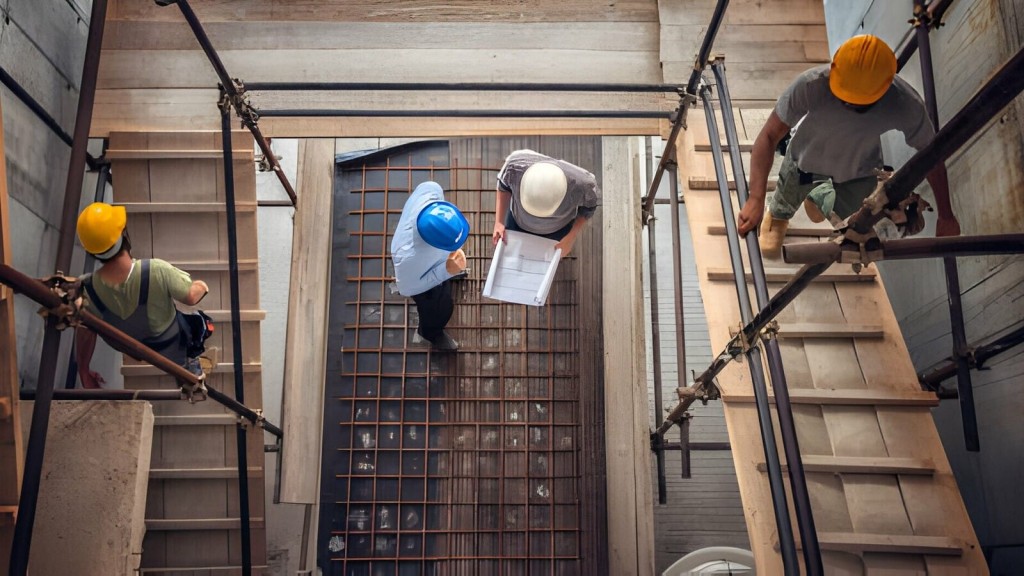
197 420
743 12
231 570
129 370
857 543
749 82
244 315
202 473
834 274
745 146
803 231
825 330
859 465
803 43
306 339
172 154
849 397
165 207
630 513
166 524
218 266
706 183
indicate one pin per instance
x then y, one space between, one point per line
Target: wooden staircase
882 492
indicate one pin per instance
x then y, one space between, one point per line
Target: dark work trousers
435 307
511 224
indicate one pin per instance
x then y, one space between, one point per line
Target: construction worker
136 296
426 251
544 196
831 163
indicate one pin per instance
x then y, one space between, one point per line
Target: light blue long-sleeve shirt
418 265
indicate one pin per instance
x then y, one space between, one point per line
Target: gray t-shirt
582 195
837 141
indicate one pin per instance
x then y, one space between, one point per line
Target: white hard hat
542 189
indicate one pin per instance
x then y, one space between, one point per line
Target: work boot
209 359
445 342
773 232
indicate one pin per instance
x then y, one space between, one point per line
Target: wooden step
8 510
200 473
804 231
217 154
215 265
708 183
5 408
856 543
849 397
837 273
245 315
130 370
824 330
862 465
231 570
192 524
745 146
197 420
183 207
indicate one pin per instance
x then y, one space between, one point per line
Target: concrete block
92 497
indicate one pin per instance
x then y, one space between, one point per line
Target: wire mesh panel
445 463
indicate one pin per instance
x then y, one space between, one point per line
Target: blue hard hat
443 226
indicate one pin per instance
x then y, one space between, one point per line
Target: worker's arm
85 344
947 224
196 292
501 206
566 244
761 157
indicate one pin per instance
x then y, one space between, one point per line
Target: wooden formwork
172 185
883 495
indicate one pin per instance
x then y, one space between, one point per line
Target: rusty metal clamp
194 392
69 290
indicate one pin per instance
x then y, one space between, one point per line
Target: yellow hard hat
101 227
862 70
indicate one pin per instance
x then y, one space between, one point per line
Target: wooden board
630 513
176 212
11 451
858 412
305 355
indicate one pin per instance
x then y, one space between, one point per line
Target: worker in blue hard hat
427 253
545 197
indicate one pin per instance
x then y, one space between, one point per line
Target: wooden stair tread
227 472
856 543
745 146
848 397
129 370
825 330
183 207
245 315
196 420
863 465
806 231
711 183
215 265
172 524
200 569
833 274
216 154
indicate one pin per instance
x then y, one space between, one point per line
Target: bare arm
761 156
947 224
196 293
566 244
501 206
85 345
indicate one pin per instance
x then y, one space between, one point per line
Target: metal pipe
659 412
700 446
236 332
910 248
931 378
783 408
705 46
80 394
459 86
937 11
987 102
124 343
678 119
338 113
237 98
677 272
32 473
787 542
968 415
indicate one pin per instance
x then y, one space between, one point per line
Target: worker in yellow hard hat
834 157
136 296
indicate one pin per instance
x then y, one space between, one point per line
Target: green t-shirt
166 284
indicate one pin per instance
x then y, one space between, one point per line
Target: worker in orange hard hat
833 161
137 296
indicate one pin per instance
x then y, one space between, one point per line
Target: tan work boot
773 231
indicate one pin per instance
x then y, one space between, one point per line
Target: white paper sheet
522 269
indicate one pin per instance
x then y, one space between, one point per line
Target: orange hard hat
862 70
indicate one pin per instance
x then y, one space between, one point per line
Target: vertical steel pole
965 389
236 332
677 272
659 412
787 543
22 540
787 427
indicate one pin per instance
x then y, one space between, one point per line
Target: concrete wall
987 188
42 46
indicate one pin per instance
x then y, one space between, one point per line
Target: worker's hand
456 262
91 379
566 244
947 226
499 233
750 216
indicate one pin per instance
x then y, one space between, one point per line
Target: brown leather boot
773 231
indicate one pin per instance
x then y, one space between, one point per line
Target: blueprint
522 269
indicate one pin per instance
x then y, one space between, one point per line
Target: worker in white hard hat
830 166
137 296
540 195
